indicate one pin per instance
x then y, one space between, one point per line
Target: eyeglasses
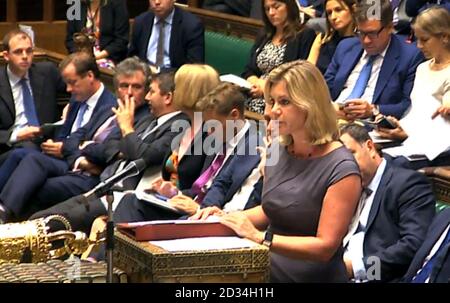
134 86
371 35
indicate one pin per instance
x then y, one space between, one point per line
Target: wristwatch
375 110
268 236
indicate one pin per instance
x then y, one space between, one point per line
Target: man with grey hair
88 151
374 72
149 139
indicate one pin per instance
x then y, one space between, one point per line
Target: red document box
173 229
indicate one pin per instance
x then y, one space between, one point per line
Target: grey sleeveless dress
293 193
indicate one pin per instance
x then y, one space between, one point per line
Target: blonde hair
193 81
435 21
307 90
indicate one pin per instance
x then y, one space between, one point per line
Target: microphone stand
109 237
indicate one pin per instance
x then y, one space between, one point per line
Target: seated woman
339 18
225 171
184 163
285 38
107 21
430 97
311 193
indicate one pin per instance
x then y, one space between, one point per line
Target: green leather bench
227 54
440 206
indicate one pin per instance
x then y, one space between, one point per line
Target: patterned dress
270 57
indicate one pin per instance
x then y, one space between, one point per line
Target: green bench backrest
441 206
227 54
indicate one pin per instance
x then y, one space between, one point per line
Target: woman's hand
164 188
206 212
257 89
394 134
239 222
184 203
444 111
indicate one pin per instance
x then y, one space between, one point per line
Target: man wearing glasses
374 72
27 93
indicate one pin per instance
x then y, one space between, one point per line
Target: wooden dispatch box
144 262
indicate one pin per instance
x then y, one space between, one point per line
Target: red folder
174 229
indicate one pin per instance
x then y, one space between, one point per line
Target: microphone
132 169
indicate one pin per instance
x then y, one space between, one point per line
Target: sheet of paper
429 138
377 139
236 80
204 243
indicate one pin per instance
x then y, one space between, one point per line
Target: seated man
373 73
152 147
87 151
167 36
20 175
431 264
27 93
223 108
392 217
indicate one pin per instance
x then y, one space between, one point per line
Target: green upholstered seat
441 206
227 54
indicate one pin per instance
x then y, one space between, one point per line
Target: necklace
292 152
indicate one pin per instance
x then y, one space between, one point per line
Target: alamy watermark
74 10
220 135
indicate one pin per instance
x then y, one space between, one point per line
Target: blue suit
31 168
437 227
402 210
230 179
396 78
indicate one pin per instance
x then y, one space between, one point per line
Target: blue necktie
28 104
363 79
81 110
303 3
426 270
394 4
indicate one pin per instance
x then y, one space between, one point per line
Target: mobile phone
386 123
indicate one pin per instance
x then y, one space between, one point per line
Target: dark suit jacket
297 48
102 111
191 164
153 148
187 39
437 227
402 210
104 104
105 153
414 7
396 78
114 29
234 173
45 81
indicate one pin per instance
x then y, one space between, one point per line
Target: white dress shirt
355 248
16 89
153 41
91 103
353 77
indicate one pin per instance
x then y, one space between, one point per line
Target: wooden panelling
59 10
2 10
30 10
